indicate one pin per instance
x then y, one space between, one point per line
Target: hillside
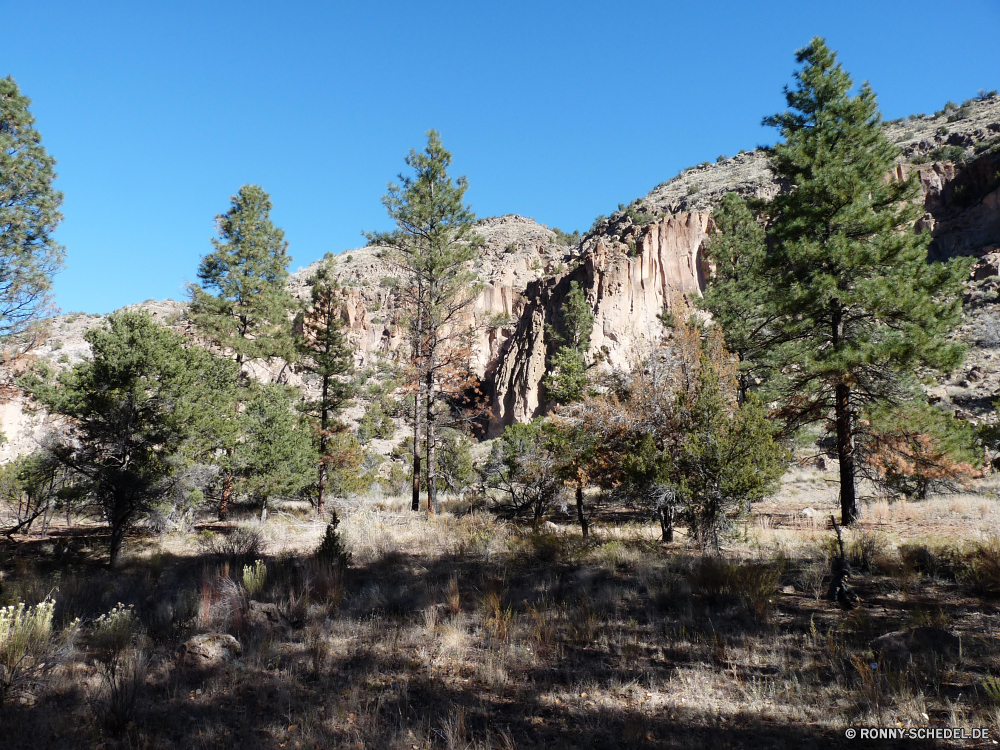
630 265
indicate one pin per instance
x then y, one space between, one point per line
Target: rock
209 651
901 648
266 616
975 374
937 394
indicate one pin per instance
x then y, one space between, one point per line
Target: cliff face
626 290
631 266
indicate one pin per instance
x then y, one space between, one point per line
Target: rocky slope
635 262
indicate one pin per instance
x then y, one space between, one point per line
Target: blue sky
158 113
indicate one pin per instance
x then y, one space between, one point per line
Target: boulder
902 647
267 616
209 651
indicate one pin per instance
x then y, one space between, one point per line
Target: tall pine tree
433 245
858 305
324 352
29 213
247 317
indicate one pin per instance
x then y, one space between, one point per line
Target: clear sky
158 112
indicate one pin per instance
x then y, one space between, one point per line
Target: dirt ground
464 631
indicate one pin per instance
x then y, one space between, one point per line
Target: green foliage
567 240
567 378
456 470
853 307
249 313
375 423
276 457
138 405
519 472
331 550
942 153
913 446
29 214
29 485
727 459
25 637
671 435
738 296
433 247
324 351
254 578
637 214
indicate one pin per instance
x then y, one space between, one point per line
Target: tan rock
209 651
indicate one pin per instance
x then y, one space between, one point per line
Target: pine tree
858 305
324 352
739 295
133 407
566 383
433 245
29 213
248 316
276 455
567 380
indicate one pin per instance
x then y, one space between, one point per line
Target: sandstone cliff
632 264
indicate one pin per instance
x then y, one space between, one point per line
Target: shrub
375 424
331 550
25 643
114 633
982 567
254 578
867 549
240 545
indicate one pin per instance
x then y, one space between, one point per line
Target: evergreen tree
248 316
858 305
566 383
132 407
29 213
324 352
726 460
739 294
520 471
433 245
276 456
567 380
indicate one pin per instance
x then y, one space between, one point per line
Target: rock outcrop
208 651
631 266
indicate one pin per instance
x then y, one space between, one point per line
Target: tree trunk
227 492
432 503
115 544
845 428
584 526
845 452
415 504
666 523
323 419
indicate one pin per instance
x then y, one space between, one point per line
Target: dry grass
459 631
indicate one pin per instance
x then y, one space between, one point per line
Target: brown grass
459 631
